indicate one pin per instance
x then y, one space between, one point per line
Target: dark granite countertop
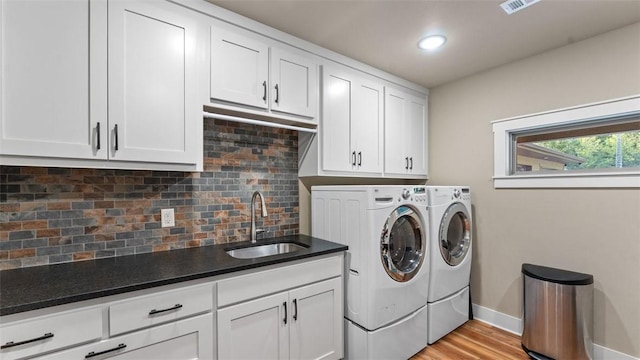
38 287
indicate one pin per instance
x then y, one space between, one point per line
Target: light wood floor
474 340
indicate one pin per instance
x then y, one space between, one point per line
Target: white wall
595 231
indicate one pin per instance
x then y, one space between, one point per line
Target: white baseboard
514 325
503 321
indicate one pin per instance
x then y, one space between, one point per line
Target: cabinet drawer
149 310
244 287
46 333
190 339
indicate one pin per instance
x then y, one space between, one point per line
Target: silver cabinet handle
353 158
359 158
411 163
277 94
406 163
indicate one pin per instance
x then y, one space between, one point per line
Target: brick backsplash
53 215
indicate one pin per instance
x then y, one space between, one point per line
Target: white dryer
451 245
387 269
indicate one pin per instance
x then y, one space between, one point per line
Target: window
595 145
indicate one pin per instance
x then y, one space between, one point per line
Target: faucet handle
260 231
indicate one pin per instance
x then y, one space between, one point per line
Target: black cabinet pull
411 163
174 307
353 158
295 309
12 343
285 312
98 136
93 353
115 130
359 158
264 86
277 94
406 163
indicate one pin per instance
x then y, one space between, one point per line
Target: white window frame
504 129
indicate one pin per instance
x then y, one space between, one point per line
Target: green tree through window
600 151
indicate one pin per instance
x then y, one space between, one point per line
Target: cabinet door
417 122
53 78
337 154
293 83
239 68
153 108
396 158
367 125
256 329
316 321
181 340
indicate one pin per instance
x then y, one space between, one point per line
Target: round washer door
455 234
402 244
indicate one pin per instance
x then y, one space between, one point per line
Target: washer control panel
416 194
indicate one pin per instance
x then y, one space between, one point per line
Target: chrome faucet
263 213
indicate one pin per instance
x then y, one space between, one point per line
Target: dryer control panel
466 195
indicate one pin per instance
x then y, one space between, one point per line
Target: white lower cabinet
152 324
181 340
316 321
290 311
26 338
255 329
303 323
287 312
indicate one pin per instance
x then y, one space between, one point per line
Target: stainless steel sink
264 250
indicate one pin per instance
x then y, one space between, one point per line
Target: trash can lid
558 276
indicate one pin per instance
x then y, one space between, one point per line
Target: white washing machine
387 264
451 245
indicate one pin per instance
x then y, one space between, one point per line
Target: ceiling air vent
512 6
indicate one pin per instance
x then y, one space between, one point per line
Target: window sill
564 180
504 144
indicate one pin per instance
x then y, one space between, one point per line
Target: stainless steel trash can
558 313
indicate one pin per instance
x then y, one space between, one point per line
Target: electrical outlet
168 218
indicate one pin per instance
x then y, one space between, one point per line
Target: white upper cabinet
405 134
53 79
247 70
153 107
239 68
336 121
294 85
351 125
93 80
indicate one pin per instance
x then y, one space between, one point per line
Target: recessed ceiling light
432 42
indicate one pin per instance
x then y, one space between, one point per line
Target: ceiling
384 33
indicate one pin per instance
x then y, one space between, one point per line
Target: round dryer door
402 244
455 234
